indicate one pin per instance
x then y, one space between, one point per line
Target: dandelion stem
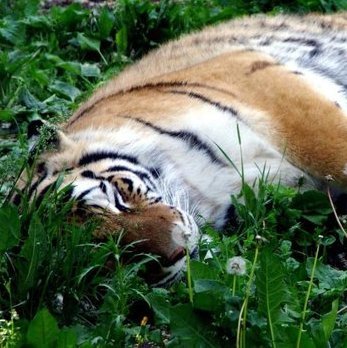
243 313
239 326
189 277
307 297
335 213
234 285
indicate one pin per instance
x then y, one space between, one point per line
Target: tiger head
125 194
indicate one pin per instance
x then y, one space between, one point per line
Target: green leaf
329 278
42 330
161 307
106 23
67 338
30 7
201 270
270 287
65 89
12 31
72 67
88 44
6 115
289 337
314 205
122 40
38 22
68 17
203 285
190 328
32 251
9 227
210 295
328 319
323 328
30 101
90 70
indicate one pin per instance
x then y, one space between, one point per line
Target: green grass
59 288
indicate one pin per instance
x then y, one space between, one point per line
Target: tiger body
267 94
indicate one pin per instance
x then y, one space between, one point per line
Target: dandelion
236 266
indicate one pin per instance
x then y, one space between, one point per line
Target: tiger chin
151 149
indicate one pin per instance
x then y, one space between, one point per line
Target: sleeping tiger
150 150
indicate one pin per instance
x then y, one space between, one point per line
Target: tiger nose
178 254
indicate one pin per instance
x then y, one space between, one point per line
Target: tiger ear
39 129
63 142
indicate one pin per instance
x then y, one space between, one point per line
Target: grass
59 288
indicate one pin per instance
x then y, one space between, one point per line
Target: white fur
189 179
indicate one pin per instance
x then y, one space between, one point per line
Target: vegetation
56 285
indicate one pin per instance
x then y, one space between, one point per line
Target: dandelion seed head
236 266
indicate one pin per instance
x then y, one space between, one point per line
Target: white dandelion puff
236 266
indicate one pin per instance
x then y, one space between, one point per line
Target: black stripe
16 199
302 41
42 194
91 175
170 280
129 183
143 176
204 99
315 52
156 200
100 155
181 216
127 169
190 138
95 206
84 193
167 84
34 186
64 170
151 85
103 187
118 204
155 172
88 174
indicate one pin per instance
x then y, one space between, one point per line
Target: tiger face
126 195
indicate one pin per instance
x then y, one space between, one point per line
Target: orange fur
296 118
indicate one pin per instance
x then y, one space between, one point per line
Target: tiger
150 150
